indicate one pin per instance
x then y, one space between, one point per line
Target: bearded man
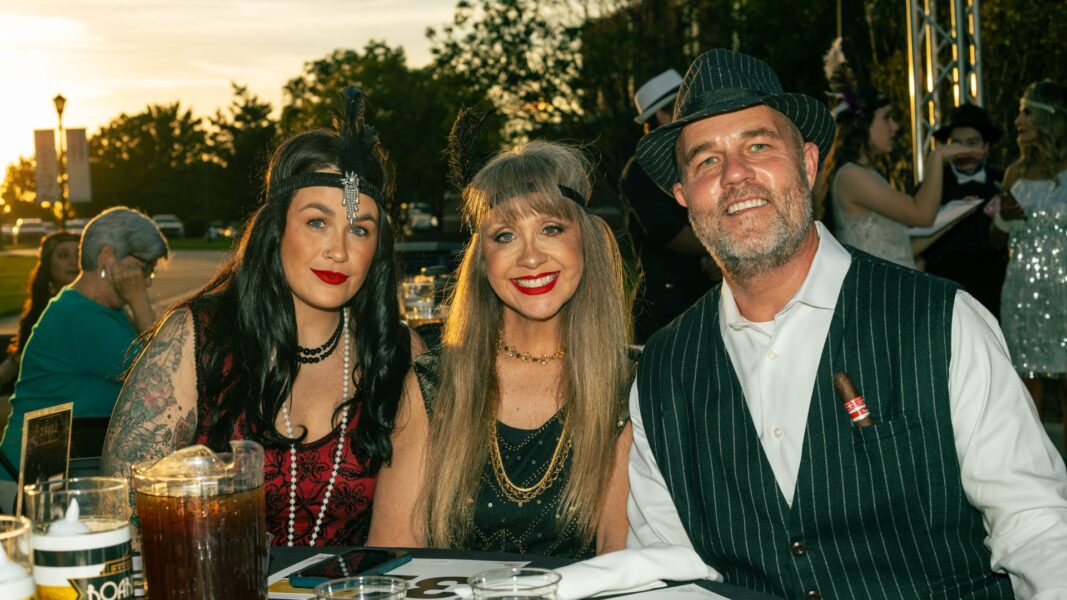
942 485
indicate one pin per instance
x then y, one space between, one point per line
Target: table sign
45 447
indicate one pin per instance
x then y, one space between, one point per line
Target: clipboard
948 214
45 446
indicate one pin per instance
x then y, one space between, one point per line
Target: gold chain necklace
524 357
522 495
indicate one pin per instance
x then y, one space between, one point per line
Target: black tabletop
282 557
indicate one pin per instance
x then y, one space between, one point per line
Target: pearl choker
345 376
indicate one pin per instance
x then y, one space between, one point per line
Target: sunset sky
113 56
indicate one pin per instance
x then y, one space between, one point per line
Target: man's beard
755 255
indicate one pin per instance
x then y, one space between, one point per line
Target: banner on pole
47 178
78 183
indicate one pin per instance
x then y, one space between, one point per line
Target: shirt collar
820 289
979 175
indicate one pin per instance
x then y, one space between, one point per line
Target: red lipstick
541 289
330 277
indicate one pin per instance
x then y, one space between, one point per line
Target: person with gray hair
79 348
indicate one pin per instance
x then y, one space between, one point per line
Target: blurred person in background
80 347
675 268
1032 222
57 266
866 212
965 253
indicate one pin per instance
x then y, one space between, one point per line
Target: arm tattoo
148 421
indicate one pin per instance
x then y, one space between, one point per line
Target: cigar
854 404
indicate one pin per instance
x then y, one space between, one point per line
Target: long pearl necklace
337 455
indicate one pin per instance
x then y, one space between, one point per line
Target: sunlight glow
113 56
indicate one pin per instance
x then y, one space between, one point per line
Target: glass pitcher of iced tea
203 524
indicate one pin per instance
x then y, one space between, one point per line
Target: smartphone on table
361 561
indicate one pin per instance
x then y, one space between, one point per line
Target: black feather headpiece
463 160
358 151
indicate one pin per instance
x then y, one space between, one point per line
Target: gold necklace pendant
543 359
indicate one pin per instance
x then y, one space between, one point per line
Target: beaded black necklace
314 355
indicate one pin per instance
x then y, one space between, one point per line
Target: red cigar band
857 409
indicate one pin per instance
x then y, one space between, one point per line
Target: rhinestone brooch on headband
350 180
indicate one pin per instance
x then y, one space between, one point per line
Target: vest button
813 595
799 549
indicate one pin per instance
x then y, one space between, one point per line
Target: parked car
6 236
170 226
217 231
76 225
28 230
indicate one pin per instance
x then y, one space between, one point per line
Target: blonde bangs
596 332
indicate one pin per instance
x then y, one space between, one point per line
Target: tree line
557 69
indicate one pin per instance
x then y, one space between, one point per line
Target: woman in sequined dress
529 432
296 343
1032 220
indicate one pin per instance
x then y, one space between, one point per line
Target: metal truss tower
939 57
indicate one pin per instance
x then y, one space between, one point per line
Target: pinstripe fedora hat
721 81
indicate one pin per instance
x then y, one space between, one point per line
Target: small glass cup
418 294
81 536
15 543
365 587
521 582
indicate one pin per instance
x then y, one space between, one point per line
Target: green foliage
19 191
523 54
244 135
412 108
14 275
158 160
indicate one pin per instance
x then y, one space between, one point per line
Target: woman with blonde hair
1032 221
529 431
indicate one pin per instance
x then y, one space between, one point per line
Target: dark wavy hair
851 140
39 291
250 361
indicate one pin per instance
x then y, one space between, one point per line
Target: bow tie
978 177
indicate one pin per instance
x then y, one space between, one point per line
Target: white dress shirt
1009 469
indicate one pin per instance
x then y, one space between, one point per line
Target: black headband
573 195
288 185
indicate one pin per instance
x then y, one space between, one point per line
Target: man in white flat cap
670 253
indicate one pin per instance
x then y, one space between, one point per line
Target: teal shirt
76 353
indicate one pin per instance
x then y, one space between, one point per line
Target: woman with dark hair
1032 221
858 203
80 346
533 370
57 266
296 343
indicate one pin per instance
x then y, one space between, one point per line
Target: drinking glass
418 293
510 584
15 550
81 537
365 587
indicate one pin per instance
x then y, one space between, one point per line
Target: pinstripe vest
878 512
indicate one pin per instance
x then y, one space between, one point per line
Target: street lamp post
60 103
